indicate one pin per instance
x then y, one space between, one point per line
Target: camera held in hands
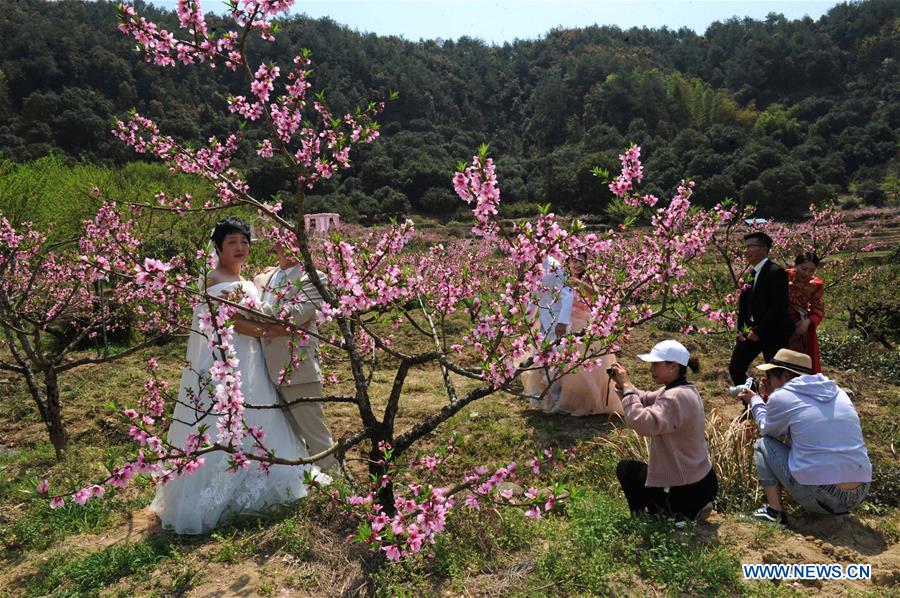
750 384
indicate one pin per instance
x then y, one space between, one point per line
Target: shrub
619 212
520 209
51 192
875 309
853 352
438 200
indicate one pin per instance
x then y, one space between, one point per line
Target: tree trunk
377 469
53 414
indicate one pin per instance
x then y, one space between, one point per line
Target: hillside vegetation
774 112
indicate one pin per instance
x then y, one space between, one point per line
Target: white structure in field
321 222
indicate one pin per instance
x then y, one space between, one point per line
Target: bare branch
430 423
108 358
11 368
393 403
412 359
415 324
22 336
301 400
448 383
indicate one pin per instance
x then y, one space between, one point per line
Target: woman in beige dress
580 392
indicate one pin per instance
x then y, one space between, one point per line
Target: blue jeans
771 457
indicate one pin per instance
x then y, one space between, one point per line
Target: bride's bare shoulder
215 277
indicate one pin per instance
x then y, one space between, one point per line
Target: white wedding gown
195 504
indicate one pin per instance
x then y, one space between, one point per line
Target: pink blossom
379 522
533 513
414 539
392 552
82 496
194 464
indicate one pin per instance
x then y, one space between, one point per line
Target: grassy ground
115 547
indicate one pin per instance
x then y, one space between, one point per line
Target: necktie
752 291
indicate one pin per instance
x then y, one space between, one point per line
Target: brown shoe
704 513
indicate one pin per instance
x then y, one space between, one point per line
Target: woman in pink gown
580 392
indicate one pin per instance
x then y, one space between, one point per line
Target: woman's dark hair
806 256
692 363
761 236
578 255
229 226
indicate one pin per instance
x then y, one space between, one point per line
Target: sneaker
681 522
767 513
703 514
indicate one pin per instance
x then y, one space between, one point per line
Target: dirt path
821 540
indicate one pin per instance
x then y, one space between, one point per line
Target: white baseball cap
667 350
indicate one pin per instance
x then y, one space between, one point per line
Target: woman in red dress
806 307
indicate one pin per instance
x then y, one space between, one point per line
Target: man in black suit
764 325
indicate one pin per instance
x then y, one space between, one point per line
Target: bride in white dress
196 503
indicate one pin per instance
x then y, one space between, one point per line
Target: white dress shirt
276 283
757 269
555 300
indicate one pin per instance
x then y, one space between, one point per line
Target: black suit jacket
767 303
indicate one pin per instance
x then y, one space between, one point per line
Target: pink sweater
674 420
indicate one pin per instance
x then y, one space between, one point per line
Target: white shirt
757 269
555 300
276 283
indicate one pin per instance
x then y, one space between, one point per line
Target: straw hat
799 363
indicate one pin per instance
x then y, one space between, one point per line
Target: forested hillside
773 112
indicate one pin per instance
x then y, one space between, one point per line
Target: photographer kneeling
678 479
825 468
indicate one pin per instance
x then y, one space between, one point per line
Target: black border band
785 364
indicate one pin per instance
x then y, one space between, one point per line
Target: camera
750 384
609 372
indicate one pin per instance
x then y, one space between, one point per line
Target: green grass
851 351
767 535
62 575
292 537
474 543
593 547
605 542
231 548
17 480
39 527
596 550
42 527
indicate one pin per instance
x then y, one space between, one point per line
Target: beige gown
580 392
